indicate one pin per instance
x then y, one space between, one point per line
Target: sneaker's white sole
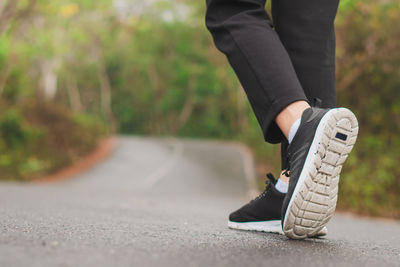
314 199
273 226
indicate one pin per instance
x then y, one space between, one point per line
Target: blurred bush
71 69
44 123
38 138
369 82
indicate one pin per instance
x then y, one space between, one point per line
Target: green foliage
4 48
368 81
37 138
12 129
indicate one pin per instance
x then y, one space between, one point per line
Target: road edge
100 153
249 168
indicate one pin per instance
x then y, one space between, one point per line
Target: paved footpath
165 202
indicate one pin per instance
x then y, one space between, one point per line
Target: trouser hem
272 133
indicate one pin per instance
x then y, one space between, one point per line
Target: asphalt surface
165 202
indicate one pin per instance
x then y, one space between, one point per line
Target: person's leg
310 42
325 136
289 115
243 31
306 29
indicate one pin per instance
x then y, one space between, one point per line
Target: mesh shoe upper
265 207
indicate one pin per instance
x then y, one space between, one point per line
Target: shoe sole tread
316 196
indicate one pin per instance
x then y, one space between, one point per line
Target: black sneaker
263 213
321 145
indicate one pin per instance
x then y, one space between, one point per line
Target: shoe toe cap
234 216
241 216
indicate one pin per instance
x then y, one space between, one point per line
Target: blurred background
75 72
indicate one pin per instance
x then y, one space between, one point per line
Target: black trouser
278 63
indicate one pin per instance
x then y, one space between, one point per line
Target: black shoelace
268 185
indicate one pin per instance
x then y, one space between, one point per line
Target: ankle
283 177
282 185
290 115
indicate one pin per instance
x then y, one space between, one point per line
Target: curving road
164 202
